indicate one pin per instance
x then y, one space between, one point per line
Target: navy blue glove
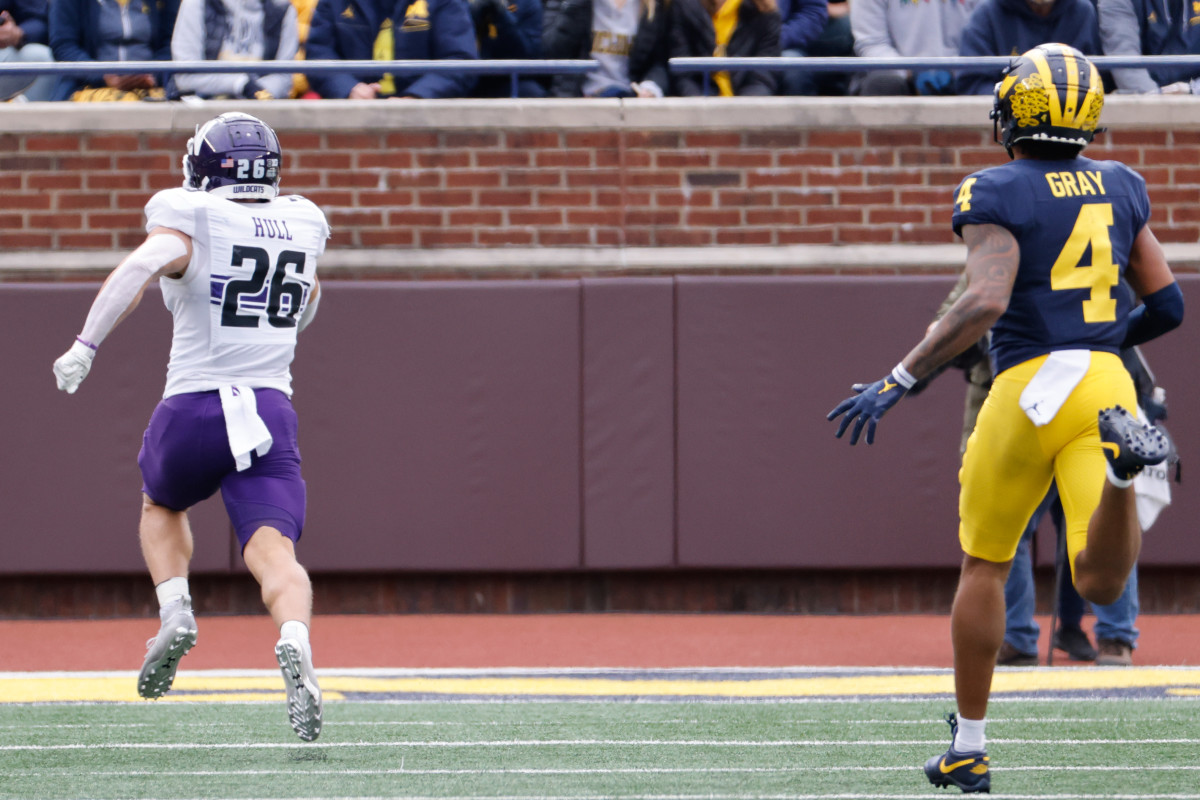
866 407
934 81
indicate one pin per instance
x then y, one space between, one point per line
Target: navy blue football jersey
1075 222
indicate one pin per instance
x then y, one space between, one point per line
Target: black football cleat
967 771
1129 444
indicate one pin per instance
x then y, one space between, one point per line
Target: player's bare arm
310 310
141 262
1148 269
1150 276
992 259
166 252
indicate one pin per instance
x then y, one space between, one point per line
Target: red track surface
562 640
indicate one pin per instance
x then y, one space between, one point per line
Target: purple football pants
185 458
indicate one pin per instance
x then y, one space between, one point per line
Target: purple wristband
85 342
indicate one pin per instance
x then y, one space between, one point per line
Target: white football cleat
176 636
303 693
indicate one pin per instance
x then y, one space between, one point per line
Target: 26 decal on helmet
234 155
1051 93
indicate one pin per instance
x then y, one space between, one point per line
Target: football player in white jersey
237 264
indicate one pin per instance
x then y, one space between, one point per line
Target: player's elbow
989 309
1160 312
996 308
1170 306
982 307
1164 308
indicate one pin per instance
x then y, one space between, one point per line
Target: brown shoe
1074 642
1114 653
1010 656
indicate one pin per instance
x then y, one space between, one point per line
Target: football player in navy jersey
1049 235
237 264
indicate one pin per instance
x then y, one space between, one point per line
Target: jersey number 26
245 293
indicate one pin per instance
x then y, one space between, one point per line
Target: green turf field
1055 746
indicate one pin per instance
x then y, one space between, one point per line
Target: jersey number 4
1091 229
247 293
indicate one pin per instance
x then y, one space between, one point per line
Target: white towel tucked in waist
1153 488
245 428
1052 385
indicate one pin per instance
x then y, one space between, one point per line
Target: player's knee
268 542
152 507
1099 590
270 551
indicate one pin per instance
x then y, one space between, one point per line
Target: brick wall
779 172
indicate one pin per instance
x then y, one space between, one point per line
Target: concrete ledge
675 113
545 262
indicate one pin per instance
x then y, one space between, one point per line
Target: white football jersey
252 271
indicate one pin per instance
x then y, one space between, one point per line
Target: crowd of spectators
631 41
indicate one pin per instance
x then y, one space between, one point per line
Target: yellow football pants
1010 462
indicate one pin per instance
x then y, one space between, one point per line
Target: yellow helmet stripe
1095 92
1010 80
1038 57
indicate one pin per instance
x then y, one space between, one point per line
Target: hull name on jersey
1075 183
271 229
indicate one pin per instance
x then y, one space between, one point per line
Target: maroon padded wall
70 490
762 480
440 426
629 423
544 426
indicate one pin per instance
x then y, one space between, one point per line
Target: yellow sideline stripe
201 688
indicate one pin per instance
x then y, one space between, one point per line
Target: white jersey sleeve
175 209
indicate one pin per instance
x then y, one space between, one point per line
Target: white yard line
724 796
566 743
554 771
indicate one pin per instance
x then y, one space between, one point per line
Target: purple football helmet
236 156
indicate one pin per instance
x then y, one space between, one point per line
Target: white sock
294 629
970 737
1114 480
170 590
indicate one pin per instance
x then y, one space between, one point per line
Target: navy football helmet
1051 93
234 155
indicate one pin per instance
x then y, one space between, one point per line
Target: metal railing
515 68
707 66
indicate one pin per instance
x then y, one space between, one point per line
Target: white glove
73 366
1179 87
646 89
